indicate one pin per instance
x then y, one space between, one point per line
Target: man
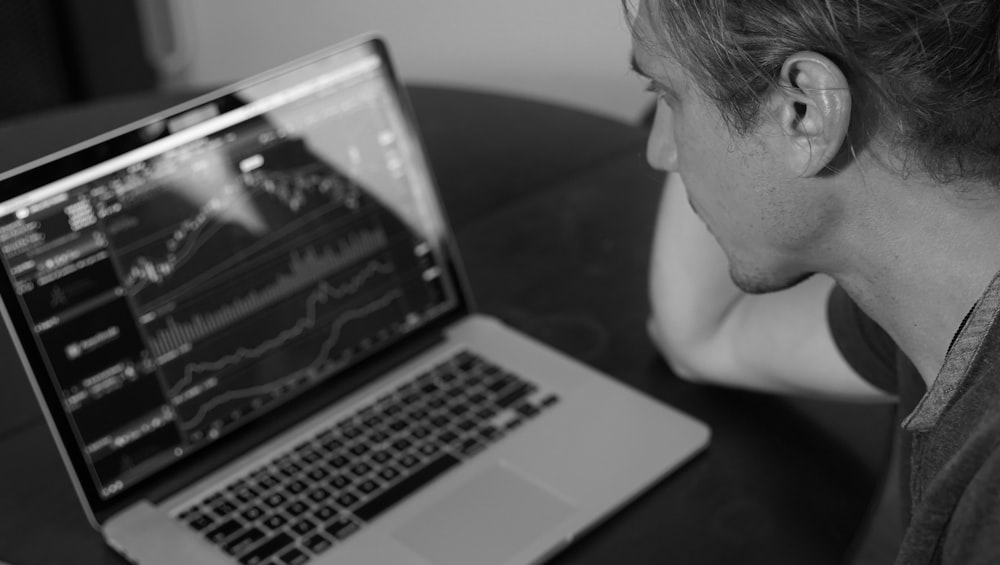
831 223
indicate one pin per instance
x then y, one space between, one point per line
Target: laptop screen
222 260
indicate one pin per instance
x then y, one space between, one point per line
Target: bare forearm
690 288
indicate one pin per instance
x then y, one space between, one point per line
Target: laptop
245 321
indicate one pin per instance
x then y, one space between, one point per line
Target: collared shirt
950 434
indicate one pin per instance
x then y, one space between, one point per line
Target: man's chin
763 283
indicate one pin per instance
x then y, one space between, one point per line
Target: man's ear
813 108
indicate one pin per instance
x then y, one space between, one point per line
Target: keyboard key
296 486
498 383
470 447
429 449
489 433
332 443
402 444
371 421
293 557
513 424
338 461
290 469
319 494
311 457
393 409
389 474
296 508
303 526
275 500
352 432
243 541
361 469
447 375
318 474
223 508
517 393
404 488
190 513
219 533
526 410
265 550
368 486
347 500
409 461
324 513
341 527
199 521
246 494
340 482
467 425
275 522
252 513
440 421
236 485
317 543
268 482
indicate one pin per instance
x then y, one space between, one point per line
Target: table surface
553 211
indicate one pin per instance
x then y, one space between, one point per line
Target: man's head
764 105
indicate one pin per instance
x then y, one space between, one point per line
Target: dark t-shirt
876 358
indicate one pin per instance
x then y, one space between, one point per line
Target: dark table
554 212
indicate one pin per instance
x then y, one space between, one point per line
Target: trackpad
486 521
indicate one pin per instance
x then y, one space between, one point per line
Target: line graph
304 268
319 360
293 188
160 255
323 293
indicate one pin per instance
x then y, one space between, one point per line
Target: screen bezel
127 138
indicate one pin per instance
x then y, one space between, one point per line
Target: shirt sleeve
866 347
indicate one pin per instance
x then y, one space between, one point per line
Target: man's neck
925 264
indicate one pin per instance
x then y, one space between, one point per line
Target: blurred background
62 52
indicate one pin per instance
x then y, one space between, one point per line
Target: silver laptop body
258 288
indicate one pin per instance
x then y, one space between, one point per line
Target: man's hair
924 74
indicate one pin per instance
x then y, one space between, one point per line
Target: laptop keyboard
328 487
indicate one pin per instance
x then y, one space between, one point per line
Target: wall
574 52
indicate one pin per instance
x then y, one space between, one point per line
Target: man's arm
710 331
